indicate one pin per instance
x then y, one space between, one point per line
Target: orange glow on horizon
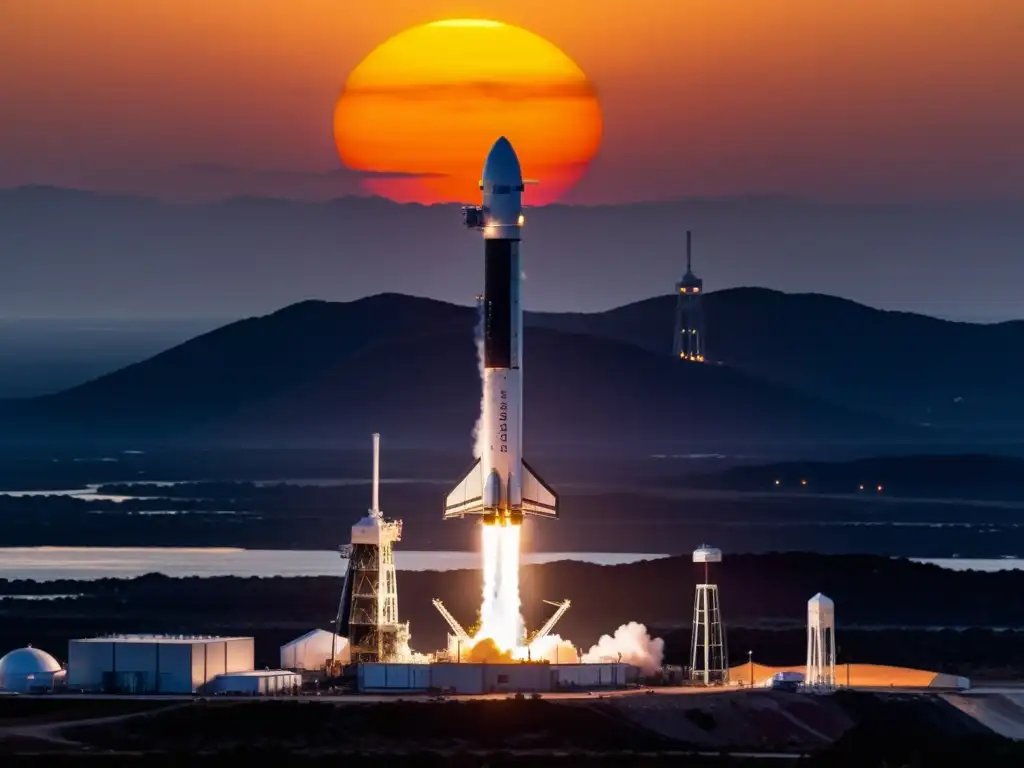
425 106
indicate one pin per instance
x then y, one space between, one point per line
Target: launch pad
461 644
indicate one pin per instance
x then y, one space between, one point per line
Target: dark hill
331 372
909 367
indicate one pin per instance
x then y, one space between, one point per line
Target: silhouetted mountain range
321 373
781 368
74 254
908 367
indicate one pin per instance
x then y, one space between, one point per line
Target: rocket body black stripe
498 303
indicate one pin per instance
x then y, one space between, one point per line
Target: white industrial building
29 670
257 683
155 663
311 651
472 678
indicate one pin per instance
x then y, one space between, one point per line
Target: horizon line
765 197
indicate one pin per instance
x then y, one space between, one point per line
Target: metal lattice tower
368 613
821 643
689 338
709 656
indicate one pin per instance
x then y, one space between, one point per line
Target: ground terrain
844 726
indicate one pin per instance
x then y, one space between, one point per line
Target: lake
89 563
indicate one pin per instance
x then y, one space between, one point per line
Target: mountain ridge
153 258
321 371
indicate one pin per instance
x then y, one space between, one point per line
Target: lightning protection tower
709 658
689 340
821 643
368 612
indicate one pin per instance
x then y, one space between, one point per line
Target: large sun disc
419 114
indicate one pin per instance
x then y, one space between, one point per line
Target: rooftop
170 639
259 673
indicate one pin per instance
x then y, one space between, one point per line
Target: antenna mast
375 510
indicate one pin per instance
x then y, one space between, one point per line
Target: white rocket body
500 485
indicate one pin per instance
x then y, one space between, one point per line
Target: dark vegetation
888 730
487 725
21 710
896 730
656 505
763 597
415 759
973 476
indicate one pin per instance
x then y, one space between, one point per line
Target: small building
472 678
155 663
394 677
30 670
256 682
594 675
314 650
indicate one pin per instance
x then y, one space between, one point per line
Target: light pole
750 663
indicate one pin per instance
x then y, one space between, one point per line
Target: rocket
501 486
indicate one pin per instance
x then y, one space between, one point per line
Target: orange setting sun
424 107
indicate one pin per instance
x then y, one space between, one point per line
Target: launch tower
821 643
689 339
709 658
368 612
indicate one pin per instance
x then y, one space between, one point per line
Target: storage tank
29 669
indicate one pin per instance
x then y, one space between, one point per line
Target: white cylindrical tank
29 669
706 554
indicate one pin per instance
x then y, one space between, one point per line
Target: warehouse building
155 663
492 678
314 650
257 683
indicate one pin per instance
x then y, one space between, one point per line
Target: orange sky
847 99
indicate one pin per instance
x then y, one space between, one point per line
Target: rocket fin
538 497
467 497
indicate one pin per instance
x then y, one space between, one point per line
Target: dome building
29 669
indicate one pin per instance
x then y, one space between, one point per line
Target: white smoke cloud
554 649
631 644
478 337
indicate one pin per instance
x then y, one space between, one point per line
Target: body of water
88 563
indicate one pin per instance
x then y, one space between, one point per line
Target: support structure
821 643
457 631
368 612
709 656
550 623
689 337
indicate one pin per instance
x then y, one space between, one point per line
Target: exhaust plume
631 644
478 337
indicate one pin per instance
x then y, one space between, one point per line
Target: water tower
821 643
709 657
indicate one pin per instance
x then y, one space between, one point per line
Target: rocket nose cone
502 166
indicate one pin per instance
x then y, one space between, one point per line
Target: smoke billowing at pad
631 644
502 635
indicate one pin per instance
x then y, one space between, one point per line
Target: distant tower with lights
821 643
689 341
709 657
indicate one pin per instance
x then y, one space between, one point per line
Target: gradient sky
825 99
